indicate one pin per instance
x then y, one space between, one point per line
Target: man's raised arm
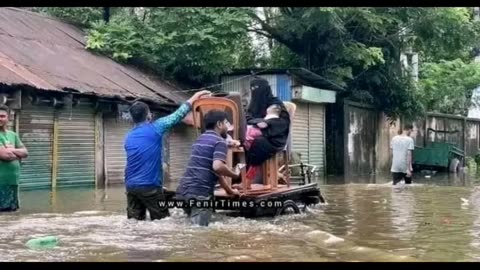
166 123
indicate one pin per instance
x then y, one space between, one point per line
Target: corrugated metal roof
49 54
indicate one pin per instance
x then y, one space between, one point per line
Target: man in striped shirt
206 166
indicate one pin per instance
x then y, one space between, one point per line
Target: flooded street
435 219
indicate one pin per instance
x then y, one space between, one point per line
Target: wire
223 83
206 87
272 85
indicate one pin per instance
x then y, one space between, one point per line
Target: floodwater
435 219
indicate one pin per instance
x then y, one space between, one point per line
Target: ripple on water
361 222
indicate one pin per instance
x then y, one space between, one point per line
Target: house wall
180 143
74 142
360 139
61 144
115 129
334 129
82 145
36 129
387 129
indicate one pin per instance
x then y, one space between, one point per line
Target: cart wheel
288 205
313 200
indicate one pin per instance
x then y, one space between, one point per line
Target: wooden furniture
206 104
270 167
289 196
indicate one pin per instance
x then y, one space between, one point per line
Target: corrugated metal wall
181 139
115 130
284 90
316 136
76 145
238 82
36 133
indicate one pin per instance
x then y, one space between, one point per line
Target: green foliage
193 43
446 33
282 57
447 86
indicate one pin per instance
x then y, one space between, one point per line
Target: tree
192 44
446 34
447 86
359 48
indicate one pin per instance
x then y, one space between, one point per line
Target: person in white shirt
402 150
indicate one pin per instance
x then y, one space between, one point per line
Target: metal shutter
316 135
115 157
36 133
76 146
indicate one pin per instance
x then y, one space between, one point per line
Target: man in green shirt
11 152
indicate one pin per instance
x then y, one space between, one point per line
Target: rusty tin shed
68 103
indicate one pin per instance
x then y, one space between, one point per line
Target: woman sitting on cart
274 131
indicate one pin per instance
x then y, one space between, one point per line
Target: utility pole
409 58
106 14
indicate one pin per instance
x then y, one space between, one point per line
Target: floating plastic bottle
43 242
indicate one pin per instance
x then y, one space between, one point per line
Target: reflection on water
435 219
402 218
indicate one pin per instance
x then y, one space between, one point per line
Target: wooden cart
284 196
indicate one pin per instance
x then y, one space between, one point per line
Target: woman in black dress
274 134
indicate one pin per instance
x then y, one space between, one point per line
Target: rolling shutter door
36 133
300 131
316 133
115 157
76 146
181 139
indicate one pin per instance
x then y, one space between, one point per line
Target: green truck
438 156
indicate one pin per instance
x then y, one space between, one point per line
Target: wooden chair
206 104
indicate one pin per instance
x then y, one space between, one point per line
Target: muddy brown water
435 219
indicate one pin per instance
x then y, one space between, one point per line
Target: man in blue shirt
207 165
143 145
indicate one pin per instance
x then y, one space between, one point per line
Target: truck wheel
287 208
